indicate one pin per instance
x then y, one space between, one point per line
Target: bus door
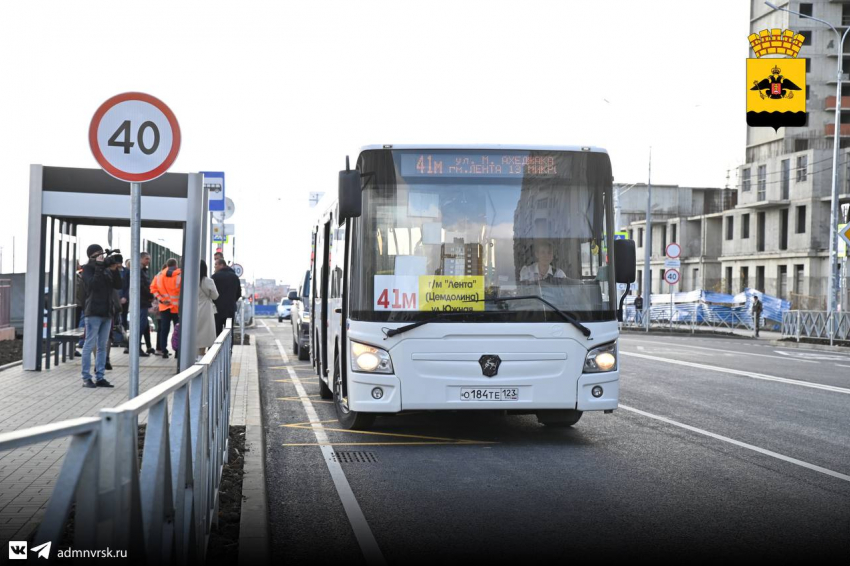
325 273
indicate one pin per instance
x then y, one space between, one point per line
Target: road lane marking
842 366
726 351
801 356
742 373
423 443
395 435
764 451
368 545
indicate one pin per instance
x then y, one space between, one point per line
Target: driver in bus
542 269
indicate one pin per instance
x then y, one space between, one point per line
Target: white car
284 310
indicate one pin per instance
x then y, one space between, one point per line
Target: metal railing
689 316
5 303
161 512
822 325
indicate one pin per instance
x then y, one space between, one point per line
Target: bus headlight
305 317
370 359
603 358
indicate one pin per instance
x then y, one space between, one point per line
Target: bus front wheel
559 419
350 420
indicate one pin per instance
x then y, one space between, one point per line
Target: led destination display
477 165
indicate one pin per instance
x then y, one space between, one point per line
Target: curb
807 346
701 334
253 524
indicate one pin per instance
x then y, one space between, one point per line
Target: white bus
469 278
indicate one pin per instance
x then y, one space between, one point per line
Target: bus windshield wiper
569 318
390 332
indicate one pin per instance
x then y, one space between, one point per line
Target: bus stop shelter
63 198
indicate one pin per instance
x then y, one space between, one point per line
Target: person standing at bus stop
229 291
99 281
638 309
757 310
166 289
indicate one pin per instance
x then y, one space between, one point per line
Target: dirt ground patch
11 351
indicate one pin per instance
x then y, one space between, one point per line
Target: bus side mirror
625 255
350 193
293 296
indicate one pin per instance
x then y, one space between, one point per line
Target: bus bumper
610 384
362 395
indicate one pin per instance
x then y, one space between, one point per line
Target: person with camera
100 279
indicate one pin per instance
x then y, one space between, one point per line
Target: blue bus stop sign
214 182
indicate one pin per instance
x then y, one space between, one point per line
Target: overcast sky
276 95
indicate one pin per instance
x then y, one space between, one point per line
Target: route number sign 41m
134 137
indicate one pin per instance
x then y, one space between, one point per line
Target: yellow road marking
438 439
460 443
299 399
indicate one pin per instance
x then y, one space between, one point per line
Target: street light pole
832 297
647 248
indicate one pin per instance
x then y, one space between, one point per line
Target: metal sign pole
671 307
135 285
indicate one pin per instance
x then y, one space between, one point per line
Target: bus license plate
489 394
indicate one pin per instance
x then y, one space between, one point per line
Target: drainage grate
352 457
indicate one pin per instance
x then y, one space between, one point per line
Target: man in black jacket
229 291
146 301
99 281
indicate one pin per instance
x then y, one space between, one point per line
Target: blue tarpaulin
707 306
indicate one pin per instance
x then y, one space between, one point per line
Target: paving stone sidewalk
27 475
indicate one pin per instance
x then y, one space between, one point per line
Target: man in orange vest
166 289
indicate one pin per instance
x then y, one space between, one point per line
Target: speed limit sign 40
671 276
134 137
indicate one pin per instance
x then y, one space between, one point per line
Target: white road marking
842 366
726 351
368 545
742 373
742 444
799 356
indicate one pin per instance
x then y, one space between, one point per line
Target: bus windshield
442 230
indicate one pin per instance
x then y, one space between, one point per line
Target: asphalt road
721 449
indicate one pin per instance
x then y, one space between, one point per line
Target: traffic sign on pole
671 276
672 263
214 183
673 250
237 269
844 232
134 137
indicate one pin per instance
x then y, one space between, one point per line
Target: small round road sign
674 250
237 269
134 137
671 276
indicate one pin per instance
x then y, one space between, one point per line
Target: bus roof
520 147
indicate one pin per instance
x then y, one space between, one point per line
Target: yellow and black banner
776 93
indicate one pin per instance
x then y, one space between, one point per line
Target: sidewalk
766 335
27 475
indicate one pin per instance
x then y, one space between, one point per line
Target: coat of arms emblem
776 80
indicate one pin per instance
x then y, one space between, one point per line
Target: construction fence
707 309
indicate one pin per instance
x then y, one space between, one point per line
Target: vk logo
17 550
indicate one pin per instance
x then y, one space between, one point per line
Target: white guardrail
161 512
689 319
822 325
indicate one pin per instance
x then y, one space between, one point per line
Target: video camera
111 257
